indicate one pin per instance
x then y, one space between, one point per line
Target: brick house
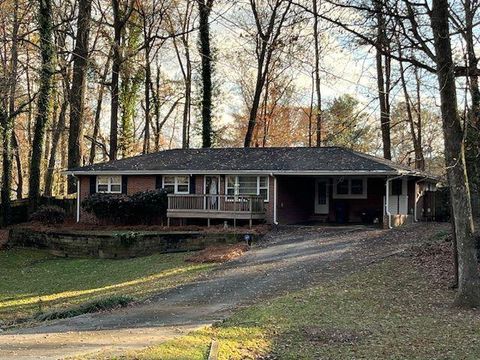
274 185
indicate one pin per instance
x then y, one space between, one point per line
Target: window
356 186
247 185
177 184
350 188
109 184
342 187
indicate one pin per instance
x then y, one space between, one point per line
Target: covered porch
330 199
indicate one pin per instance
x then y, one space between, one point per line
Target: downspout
275 222
78 198
387 202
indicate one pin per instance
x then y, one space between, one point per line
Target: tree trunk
148 86
7 121
473 125
206 55
383 72
318 111
469 285
116 64
98 111
78 89
45 24
57 133
417 146
18 162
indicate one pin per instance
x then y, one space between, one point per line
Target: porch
330 199
213 206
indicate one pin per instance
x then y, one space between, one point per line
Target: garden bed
119 243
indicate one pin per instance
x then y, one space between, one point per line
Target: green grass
33 281
388 311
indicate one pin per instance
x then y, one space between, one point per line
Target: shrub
126 239
141 207
110 207
49 214
150 204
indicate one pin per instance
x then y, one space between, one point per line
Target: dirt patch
436 260
3 238
219 254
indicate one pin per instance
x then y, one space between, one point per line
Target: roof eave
233 172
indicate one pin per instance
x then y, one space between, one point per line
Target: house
275 185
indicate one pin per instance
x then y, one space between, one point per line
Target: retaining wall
120 244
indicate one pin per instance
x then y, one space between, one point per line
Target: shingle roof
275 160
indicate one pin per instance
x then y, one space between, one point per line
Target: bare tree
318 110
269 22
77 92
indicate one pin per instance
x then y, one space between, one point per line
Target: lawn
33 281
393 309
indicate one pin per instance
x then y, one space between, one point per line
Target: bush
110 207
150 205
141 207
49 214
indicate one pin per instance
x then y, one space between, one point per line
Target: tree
7 121
181 43
269 22
318 110
45 26
383 63
469 283
346 124
77 92
121 14
205 7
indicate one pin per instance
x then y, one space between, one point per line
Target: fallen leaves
219 254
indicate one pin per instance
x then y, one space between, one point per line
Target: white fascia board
235 172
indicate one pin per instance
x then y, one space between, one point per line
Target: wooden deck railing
245 204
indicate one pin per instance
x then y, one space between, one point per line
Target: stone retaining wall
120 244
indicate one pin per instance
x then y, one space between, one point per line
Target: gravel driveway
288 259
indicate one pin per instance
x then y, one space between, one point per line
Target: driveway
288 259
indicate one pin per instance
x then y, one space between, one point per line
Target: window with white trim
109 184
247 185
350 188
176 184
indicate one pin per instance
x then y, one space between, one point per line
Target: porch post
387 203
275 222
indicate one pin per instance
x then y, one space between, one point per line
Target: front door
321 196
212 187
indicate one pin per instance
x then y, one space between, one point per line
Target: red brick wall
139 183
